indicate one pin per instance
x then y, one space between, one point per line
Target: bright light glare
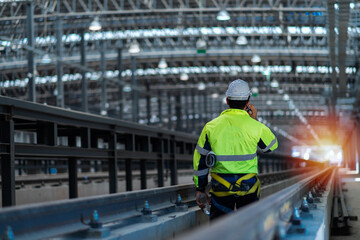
326 153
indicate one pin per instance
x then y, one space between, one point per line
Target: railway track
153 213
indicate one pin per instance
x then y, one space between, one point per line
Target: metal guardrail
39 221
340 214
264 219
124 145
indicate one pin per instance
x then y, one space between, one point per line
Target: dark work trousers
230 202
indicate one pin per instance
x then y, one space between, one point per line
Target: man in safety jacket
229 143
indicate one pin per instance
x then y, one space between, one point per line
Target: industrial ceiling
167 63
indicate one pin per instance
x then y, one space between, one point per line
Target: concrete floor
352 198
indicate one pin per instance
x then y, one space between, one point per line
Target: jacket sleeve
268 141
200 169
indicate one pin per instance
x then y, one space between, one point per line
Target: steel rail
45 220
263 218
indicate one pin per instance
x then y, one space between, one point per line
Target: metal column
159 107
8 162
205 105
200 110
148 102
84 83
169 110
103 79
134 91
193 111
187 111
31 58
121 84
178 112
59 66
331 37
343 23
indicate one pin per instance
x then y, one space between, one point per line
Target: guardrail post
129 146
260 164
267 165
113 166
160 162
46 133
173 163
145 144
7 162
85 137
72 171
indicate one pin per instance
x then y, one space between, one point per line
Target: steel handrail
262 218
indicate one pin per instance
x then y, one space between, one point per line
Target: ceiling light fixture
201 86
162 63
223 15
95 24
274 84
46 59
201 46
241 40
255 91
134 47
127 88
286 97
184 77
256 59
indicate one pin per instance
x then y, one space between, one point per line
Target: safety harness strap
201 150
239 193
202 172
237 183
229 185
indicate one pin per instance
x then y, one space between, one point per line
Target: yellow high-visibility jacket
234 137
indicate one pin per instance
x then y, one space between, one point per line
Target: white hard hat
238 90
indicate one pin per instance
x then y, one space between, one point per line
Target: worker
227 149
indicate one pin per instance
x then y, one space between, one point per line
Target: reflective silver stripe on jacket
270 145
201 172
221 158
201 150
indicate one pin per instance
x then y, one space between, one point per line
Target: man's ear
227 101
